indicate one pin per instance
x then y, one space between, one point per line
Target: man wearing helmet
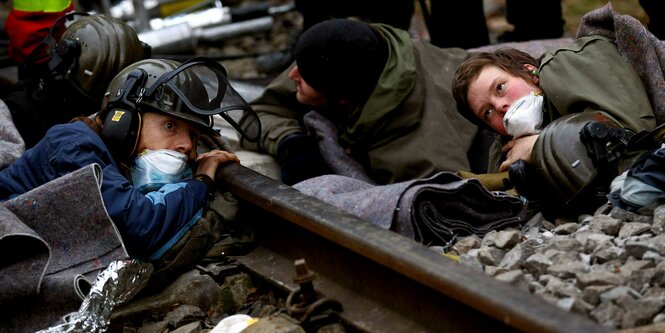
80 65
155 185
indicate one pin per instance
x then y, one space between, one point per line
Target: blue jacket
149 224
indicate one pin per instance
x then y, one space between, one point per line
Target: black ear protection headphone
121 118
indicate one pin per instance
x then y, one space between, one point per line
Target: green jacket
590 75
408 128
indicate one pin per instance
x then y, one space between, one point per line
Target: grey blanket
53 239
433 211
637 45
11 143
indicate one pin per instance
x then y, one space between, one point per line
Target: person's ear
533 71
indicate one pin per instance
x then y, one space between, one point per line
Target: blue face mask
153 169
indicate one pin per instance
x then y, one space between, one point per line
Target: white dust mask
153 169
525 115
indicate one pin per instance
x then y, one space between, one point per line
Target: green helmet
100 46
572 163
167 101
193 91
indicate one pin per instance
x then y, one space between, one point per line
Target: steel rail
441 276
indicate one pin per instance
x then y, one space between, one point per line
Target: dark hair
508 59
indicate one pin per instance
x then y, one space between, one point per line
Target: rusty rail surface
384 281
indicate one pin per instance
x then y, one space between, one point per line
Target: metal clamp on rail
306 304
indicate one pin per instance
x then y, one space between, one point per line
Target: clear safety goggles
202 86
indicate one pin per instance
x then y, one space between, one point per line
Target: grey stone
607 253
659 318
591 294
494 270
631 267
506 239
654 291
559 221
566 229
608 315
537 264
641 279
193 327
471 259
560 288
549 226
158 327
490 255
598 278
627 216
184 314
658 225
567 270
489 239
191 288
574 304
652 256
464 244
515 278
619 293
641 312
592 239
564 243
659 274
235 290
637 248
514 258
606 224
559 257
633 228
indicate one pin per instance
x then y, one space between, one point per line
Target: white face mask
525 115
153 169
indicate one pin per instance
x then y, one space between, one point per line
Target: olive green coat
408 128
590 75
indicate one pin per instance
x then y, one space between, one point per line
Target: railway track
384 282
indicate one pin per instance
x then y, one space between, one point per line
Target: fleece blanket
54 240
11 143
433 211
644 51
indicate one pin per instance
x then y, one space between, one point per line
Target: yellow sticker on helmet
117 114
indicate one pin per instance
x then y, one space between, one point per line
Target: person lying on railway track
71 79
388 96
155 186
564 92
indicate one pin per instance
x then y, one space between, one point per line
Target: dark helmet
95 48
193 91
572 163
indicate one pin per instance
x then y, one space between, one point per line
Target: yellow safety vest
47 6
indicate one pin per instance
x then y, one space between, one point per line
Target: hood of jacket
393 87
